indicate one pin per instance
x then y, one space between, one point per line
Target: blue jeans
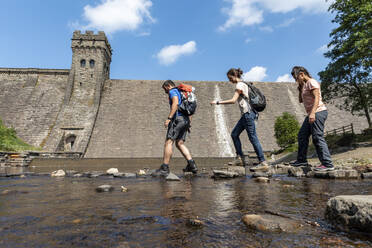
316 130
247 122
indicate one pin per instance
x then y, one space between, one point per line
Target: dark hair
168 83
297 70
235 72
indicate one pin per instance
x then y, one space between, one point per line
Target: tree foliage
348 75
286 130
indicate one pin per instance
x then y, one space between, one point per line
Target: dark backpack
257 100
188 102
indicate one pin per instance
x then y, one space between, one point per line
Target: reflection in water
67 212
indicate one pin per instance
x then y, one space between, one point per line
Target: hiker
247 121
177 124
310 95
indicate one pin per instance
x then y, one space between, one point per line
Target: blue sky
173 39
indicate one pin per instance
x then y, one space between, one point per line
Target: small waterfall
223 136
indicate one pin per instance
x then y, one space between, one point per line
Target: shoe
162 171
262 166
298 163
191 167
236 162
324 168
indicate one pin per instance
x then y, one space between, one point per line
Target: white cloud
250 12
257 73
243 13
170 54
285 78
286 23
115 15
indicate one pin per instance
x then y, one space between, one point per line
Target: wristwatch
218 102
169 118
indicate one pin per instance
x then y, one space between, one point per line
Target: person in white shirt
247 120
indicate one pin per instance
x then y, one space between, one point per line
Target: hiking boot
191 167
236 162
262 166
298 163
324 168
163 171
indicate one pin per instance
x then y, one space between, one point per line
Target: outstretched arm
230 101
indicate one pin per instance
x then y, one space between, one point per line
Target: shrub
286 130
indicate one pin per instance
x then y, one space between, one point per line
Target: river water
68 212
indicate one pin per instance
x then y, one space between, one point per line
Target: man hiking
177 125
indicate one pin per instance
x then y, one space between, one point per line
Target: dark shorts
177 128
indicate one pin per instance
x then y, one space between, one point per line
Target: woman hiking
246 122
311 97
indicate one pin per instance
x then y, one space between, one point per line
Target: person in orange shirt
310 95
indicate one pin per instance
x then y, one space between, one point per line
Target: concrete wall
132 112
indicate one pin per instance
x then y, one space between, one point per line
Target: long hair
236 72
296 70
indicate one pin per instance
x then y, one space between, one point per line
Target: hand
311 118
166 123
213 102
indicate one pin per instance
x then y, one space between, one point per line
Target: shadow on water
67 212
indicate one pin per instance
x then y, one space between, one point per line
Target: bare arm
230 101
173 110
316 94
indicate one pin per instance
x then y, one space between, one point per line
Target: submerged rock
350 212
104 188
262 179
270 223
261 174
58 173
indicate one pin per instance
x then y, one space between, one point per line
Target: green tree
348 75
286 130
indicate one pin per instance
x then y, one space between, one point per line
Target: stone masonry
82 110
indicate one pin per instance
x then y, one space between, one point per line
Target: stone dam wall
132 112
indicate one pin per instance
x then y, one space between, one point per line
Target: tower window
91 63
82 63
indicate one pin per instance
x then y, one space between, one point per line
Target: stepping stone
104 188
172 177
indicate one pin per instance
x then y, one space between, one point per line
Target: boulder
350 212
112 171
58 173
270 223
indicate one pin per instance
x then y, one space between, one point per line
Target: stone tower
90 68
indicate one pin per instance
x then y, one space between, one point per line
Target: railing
344 130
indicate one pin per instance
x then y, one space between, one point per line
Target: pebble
112 171
123 189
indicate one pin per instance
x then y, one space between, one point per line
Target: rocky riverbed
116 203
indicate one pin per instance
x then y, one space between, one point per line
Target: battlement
34 71
90 36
